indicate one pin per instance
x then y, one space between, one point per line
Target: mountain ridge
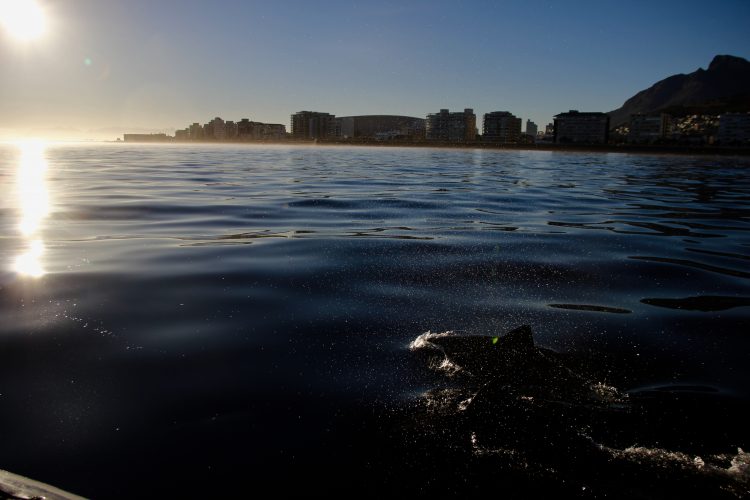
724 86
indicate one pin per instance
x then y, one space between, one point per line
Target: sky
106 67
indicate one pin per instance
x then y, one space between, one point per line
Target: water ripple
233 308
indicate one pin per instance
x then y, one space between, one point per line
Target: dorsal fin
520 338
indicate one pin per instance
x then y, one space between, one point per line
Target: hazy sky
110 66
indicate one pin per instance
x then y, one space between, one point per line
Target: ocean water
206 320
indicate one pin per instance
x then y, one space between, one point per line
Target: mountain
724 86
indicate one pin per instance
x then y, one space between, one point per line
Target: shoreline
593 148
661 149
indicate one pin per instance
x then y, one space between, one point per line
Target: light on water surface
33 206
29 263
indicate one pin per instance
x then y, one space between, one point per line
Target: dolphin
546 411
512 361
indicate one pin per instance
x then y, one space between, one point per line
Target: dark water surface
205 320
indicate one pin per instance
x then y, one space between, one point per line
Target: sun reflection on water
33 205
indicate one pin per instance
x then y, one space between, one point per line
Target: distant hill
724 86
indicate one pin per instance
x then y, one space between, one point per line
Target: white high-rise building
219 127
531 128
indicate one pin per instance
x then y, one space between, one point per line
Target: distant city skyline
104 67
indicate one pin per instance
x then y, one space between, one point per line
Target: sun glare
32 187
33 206
29 263
22 19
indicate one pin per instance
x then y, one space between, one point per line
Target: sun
23 19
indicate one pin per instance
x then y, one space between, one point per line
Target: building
531 129
313 125
196 132
451 127
695 129
380 127
218 129
230 130
501 127
734 128
648 128
257 131
581 128
272 131
548 136
146 137
208 131
245 129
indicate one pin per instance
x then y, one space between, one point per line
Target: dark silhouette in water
540 420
